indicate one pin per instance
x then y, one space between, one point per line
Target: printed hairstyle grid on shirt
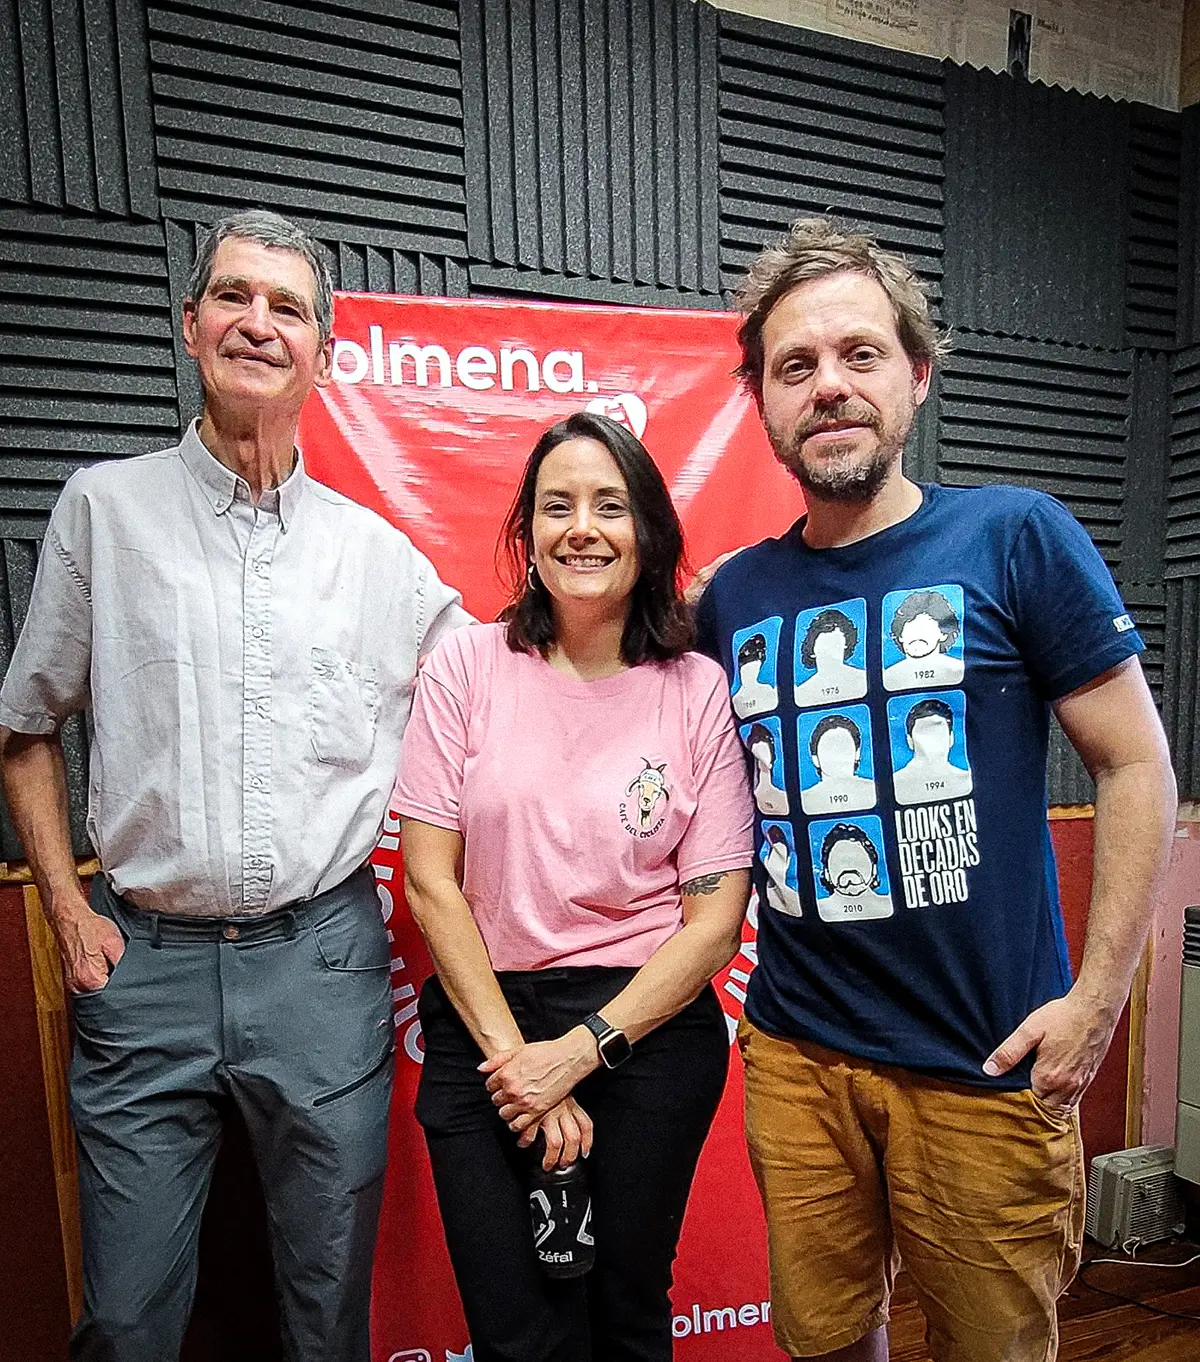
761 733
659 626
827 725
939 610
928 709
827 622
848 832
754 649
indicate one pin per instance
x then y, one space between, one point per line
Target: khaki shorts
979 1192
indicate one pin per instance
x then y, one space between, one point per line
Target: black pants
651 1117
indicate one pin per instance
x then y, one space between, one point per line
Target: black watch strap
613 1045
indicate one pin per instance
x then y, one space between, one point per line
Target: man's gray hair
267 229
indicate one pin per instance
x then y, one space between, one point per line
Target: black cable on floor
1082 1279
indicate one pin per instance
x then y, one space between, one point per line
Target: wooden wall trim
54 1035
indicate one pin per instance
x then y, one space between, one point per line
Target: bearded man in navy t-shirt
915 1047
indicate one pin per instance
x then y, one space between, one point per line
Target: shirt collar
222 486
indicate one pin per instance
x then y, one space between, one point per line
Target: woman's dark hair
659 626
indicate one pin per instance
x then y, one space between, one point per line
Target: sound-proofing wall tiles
815 124
370 269
1147 460
1148 606
1152 245
1187 310
1067 780
1181 681
18 564
86 360
591 138
350 124
75 106
1183 487
490 281
1045 415
1036 210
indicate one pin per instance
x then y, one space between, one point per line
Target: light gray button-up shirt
249 669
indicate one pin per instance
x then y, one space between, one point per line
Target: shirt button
256 632
230 933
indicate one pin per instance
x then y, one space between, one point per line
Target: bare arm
1113 726
432 861
36 789
525 1082
432 875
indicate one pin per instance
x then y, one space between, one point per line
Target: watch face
615 1049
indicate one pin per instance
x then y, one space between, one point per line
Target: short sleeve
1070 620
48 678
720 835
706 625
443 609
430 779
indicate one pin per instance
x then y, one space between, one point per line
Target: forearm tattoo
704 884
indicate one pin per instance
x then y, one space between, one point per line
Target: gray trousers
290 1016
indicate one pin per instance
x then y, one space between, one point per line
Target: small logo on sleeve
1122 624
647 793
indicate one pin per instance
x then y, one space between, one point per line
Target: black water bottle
560 1207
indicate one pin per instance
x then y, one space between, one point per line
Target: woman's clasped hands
531 1086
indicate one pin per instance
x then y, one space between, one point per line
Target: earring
532 578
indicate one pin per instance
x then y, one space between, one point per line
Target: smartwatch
613 1045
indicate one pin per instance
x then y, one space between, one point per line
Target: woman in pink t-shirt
577 843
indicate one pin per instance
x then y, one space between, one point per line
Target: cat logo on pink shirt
649 787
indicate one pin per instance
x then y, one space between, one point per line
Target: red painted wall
1103 1109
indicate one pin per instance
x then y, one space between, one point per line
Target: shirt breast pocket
343 709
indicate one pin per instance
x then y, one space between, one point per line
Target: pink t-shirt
583 805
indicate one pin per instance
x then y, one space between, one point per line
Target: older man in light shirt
247 641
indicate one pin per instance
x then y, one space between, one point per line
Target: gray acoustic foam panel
1037 184
812 124
1152 245
348 120
87 367
591 137
1043 415
1181 681
373 269
1183 495
75 106
1187 312
1147 461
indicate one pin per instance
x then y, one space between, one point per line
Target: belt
283 923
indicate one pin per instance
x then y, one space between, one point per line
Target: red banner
434 407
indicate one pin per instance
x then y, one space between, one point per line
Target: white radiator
1187 1116
1133 1198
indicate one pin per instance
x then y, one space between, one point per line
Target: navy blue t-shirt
893 696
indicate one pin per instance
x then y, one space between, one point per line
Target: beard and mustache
839 476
